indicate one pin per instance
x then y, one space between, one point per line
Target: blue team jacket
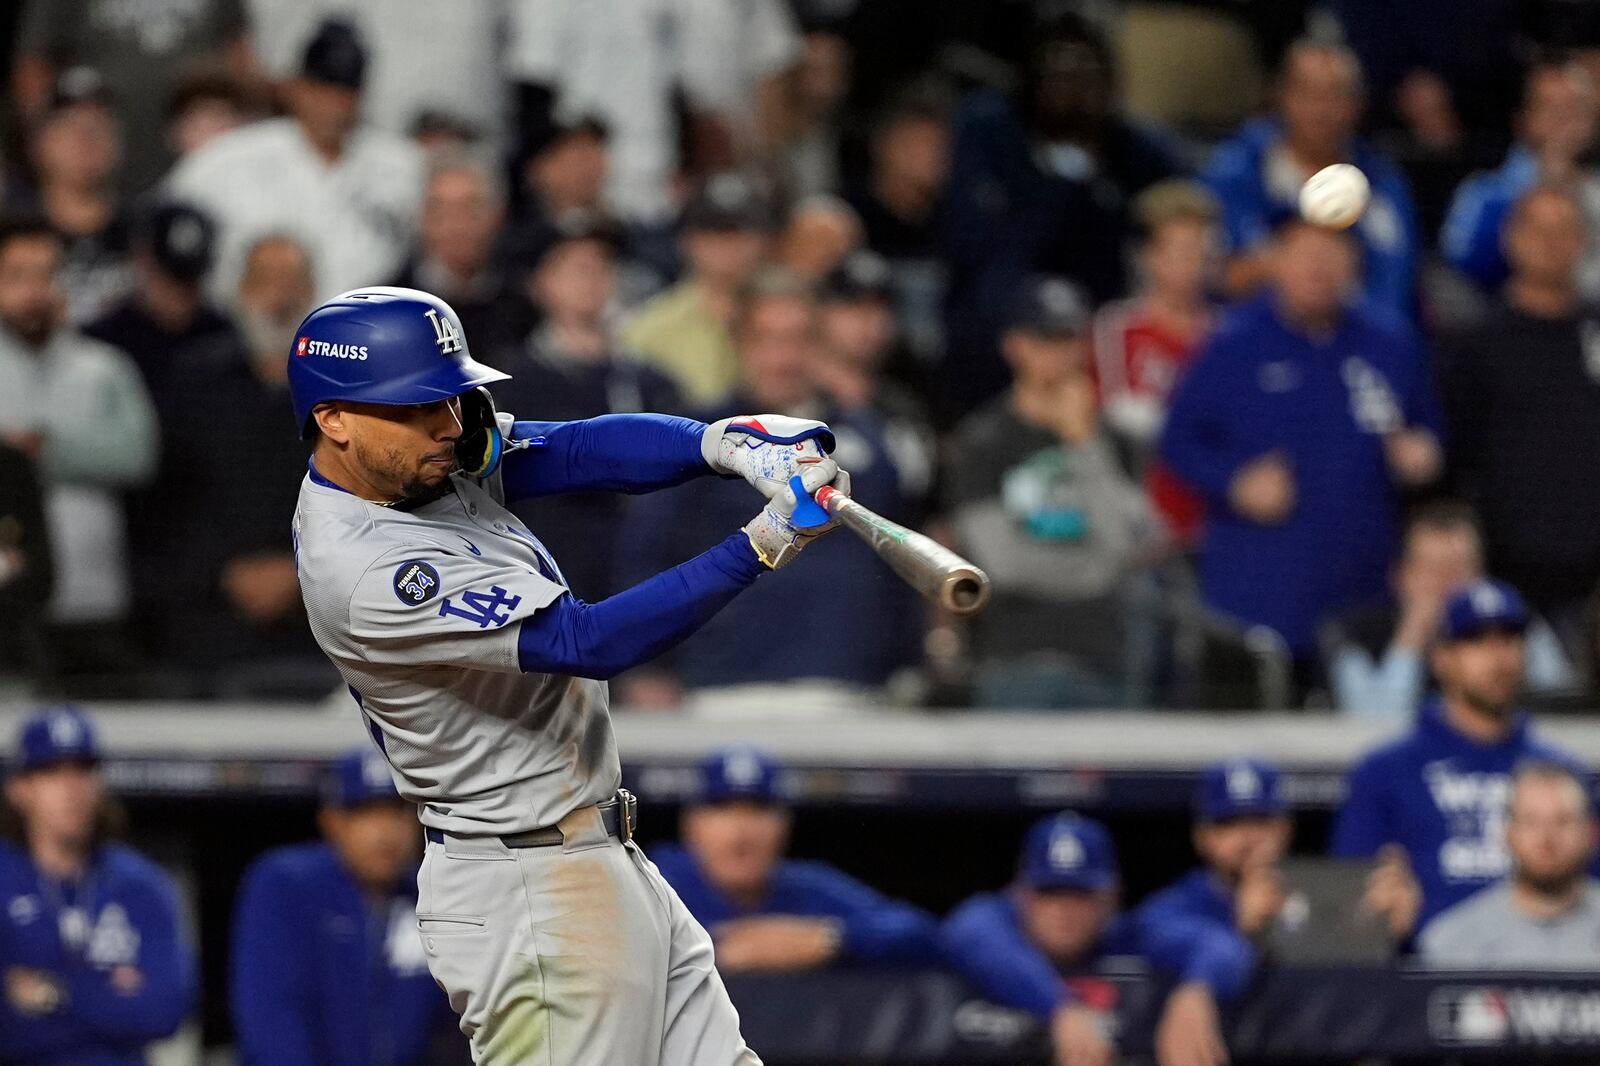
984 937
1198 895
321 975
1442 796
1388 232
1470 238
874 928
108 1015
1259 386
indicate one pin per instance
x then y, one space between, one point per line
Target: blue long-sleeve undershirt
600 640
630 453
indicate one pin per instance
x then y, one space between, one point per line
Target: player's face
376 841
58 802
404 453
1484 672
1065 924
30 298
1181 257
1550 833
737 845
1239 844
776 342
858 331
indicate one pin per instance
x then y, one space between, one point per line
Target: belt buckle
628 816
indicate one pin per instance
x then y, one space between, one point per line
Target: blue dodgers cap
358 776
62 733
381 345
1238 788
739 773
1068 851
1481 606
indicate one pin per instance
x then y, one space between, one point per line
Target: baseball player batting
483 679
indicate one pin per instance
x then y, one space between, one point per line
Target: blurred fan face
1436 560
725 258
1065 924
201 122
1314 271
1484 672
575 280
58 802
1240 844
915 151
737 845
327 111
776 341
79 146
1544 240
1073 93
377 841
1560 113
1320 101
1551 834
459 219
275 294
1042 361
572 172
858 331
823 78
1181 257
30 295
816 240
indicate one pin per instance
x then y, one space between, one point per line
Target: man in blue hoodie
1440 792
1300 421
766 912
1038 944
1258 174
328 965
93 962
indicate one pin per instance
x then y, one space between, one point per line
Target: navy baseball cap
62 733
336 56
739 773
1068 851
1238 788
179 238
356 777
1480 606
863 275
1050 307
728 201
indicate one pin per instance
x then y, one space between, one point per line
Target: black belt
619 814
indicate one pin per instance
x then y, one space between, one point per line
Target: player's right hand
773 533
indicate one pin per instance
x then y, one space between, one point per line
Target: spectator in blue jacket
766 912
93 960
1439 793
1300 421
328 967
1258 174
1035 946
1555 129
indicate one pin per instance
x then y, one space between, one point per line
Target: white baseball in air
1335 196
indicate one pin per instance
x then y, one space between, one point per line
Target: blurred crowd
1037 263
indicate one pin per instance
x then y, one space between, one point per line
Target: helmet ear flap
480 446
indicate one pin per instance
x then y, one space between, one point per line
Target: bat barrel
935 571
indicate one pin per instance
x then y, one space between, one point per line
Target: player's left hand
1189 1033
768 450
773 533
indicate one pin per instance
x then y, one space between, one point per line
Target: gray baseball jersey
419 610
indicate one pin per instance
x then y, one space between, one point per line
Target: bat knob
808 513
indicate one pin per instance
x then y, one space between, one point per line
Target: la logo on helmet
445 334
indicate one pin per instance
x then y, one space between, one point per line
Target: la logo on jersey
445 334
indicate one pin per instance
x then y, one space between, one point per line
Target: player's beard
402 472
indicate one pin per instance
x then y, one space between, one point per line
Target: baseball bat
935 571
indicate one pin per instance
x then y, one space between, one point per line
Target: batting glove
788 523
768 450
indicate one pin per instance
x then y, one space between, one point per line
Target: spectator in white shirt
351 193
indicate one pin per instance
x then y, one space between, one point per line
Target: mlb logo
1066 852
1243 784
301 345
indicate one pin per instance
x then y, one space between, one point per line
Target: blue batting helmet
381 345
